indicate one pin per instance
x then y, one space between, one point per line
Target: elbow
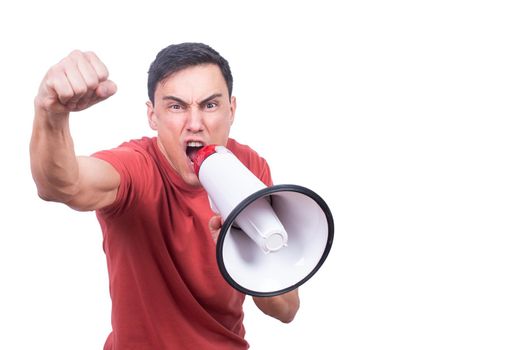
283 307
55 194
289 316
60 197
45 196
45 193
287 319
52 197
293 304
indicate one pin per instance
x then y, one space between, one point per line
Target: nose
195 121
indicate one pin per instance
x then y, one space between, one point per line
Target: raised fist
77 82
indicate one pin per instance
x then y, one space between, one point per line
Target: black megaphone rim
250 199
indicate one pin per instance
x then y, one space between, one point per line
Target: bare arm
75 83
283 307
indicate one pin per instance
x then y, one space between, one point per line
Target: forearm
53 161
283 307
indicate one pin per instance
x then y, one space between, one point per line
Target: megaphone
273 239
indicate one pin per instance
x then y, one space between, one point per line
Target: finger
99 67
102 92
106 89
87 71
214 235
58 85
90 79
87 100
215 223
75 78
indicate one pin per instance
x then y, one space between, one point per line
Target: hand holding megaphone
215 224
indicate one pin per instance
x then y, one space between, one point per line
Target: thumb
106 89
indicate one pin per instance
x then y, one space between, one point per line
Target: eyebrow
174 98
182 102
212 97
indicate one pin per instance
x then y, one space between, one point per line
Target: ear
151 116
233 109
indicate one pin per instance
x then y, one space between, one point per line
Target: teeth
194 144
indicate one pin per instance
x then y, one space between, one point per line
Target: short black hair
176 57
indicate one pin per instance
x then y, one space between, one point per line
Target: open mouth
192 148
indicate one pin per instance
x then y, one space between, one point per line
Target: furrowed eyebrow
184 103
206 100
176 99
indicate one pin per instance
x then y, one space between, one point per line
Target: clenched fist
77 82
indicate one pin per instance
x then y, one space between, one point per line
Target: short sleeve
133 166
265 173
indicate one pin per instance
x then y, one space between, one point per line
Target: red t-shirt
166 289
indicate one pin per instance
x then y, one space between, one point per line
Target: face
192 109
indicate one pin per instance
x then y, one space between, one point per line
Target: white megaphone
273 239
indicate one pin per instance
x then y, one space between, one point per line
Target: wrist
49 119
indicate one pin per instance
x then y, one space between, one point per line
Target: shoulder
140 146
134 160
251 159
243 152
135 163
128 154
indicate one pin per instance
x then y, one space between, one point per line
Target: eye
211 105
177 107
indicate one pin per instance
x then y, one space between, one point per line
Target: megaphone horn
273 238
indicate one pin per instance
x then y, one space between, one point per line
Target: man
159 232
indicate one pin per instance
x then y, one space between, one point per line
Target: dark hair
179 56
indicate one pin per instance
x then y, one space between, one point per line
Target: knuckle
103 74
64 63
76 54
90 54
81 90
65 95
49 83
99 66
91 84
55 71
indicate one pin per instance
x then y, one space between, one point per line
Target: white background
405 116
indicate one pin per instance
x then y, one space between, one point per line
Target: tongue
192 152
